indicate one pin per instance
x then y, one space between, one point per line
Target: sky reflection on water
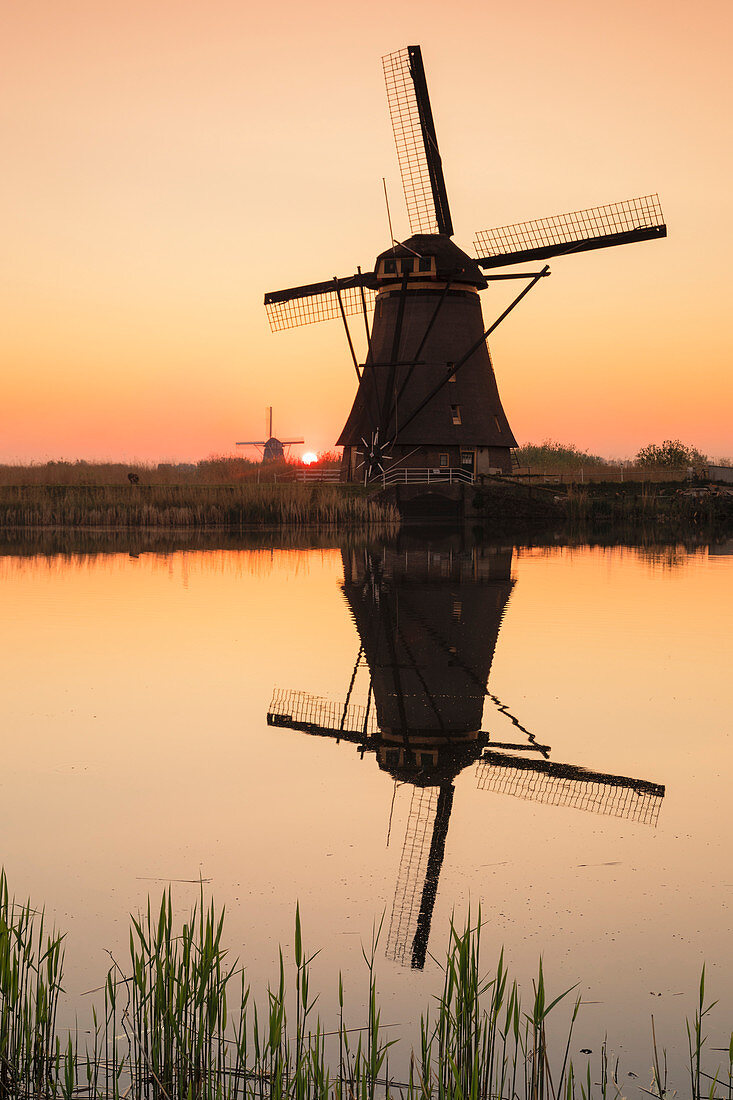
137 750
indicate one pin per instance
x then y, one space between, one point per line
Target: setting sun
309 457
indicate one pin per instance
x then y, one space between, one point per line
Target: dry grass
216 470
191 506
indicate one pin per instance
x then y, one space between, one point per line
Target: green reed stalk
31 969
167 1032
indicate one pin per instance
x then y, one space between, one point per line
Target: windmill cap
451 261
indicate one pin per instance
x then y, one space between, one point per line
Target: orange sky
168 161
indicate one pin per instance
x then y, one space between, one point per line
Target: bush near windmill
550 455
672 454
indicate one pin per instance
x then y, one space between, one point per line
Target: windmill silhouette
271 449
427 397
428 624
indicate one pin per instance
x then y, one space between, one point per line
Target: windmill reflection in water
428 623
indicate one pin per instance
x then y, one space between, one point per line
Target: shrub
556 456
671 454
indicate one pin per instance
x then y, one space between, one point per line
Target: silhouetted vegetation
178 1022
328 459
215 470
550 455
669 455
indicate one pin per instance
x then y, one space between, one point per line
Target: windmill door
468 462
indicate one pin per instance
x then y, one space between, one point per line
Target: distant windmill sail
271 449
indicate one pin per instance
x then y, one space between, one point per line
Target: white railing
318 475
428 475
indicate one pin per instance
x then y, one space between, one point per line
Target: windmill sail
299 710
419 873
421 168
304 305
556 784
580 231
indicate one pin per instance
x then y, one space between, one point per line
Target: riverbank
497 508
632 511
667 506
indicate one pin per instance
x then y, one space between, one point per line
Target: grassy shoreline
233 506
176 1021
499 506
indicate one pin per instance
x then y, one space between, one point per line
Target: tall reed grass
178 1022
31 966
191 506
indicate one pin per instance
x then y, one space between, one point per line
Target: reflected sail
566 785
428 622
417 880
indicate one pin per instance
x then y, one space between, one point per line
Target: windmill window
390 267
455 411
407 266
425 263
453 376
443 461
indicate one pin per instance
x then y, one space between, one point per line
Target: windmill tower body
428 315
428 624
427 400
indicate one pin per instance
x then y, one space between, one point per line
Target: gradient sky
166 162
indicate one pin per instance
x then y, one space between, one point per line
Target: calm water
240 715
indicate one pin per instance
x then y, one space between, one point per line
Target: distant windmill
428 625
427 394
271 449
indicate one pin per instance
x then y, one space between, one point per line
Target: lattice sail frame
409 142
307 310
578 226
558 785
303 710
412 873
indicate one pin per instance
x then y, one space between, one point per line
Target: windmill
428 625
427 397
271 449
